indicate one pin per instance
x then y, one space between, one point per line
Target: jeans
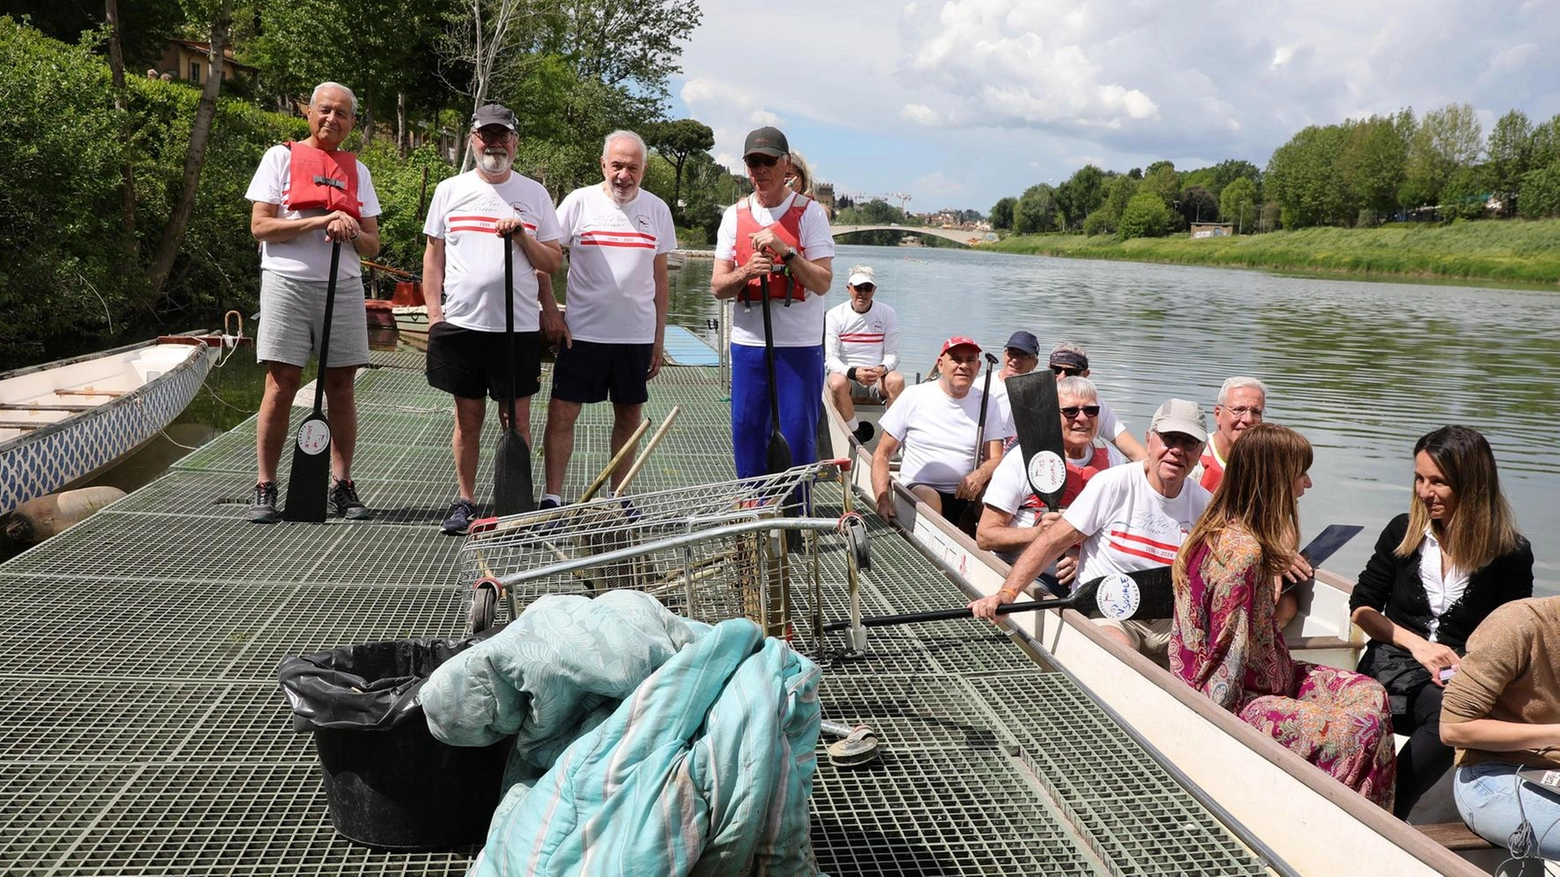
1487 796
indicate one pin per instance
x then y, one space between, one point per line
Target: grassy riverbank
1526 252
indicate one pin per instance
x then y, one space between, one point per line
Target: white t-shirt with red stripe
1128 526
852 339
307 256
612 252
463 213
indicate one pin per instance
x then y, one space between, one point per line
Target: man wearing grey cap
775 240
472 218
1127 519
861 350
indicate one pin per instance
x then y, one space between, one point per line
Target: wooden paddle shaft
639 462
622 453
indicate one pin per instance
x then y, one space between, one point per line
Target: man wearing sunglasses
1070 359
1240 405
778 242
1014 515
861 349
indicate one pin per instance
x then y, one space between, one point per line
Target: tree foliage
1081 194
678 141
1146 216
1238 203
1002 214
1510 152
1540 192
1035 210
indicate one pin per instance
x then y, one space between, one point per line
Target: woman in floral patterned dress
1226 642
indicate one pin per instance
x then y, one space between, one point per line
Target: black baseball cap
766 141
1025 342
493 114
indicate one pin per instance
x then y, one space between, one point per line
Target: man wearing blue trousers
777 240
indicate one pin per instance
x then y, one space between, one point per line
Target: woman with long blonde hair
1437 572
1225 639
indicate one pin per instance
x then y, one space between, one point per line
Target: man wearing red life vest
1013 515
463 281
307 196
1240 405
618 237
783 238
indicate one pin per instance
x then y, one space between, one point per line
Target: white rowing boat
1273 799
63 421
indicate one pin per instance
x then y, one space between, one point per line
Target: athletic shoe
548 503
864 432
262 509
343 495
459 521
630 511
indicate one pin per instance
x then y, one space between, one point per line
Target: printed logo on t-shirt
643 222
1147 536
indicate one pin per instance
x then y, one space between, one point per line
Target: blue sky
962 102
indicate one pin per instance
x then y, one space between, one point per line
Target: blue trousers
799 374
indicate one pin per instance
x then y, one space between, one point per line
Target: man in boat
308 196
1020 356
1014 515
861 349
463 280
1070 359
1126 519
618 237
774 242
938 423
1240 406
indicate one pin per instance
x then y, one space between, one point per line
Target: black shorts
590 372
470 364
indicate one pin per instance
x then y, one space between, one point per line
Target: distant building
190 61
1212 229
823 193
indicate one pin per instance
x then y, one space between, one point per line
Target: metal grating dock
142 731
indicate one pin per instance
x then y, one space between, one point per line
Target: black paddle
1142 594
308 487
512 464
1037 419
778 457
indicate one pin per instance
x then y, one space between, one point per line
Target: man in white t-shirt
1239 407
1019 357
296 223
778 242
1128 519
937 423
861 350
472 218
1070 359
618 236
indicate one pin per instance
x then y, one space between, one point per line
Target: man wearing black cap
776 241
1070 359
463 281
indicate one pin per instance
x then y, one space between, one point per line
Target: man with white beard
618 237
472 218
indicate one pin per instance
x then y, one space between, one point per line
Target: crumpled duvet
705 769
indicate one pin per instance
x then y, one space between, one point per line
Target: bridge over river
958 236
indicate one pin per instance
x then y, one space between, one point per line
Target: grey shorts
1151 638
292 312
864 392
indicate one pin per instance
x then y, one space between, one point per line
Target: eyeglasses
1243 410
1072 411
494 135
759 160
1068 371
865 287
1178 440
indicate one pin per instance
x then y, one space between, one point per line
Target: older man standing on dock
774 242
618 236
298 218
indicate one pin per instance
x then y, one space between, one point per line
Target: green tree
1146 216
1540 192
1035 210
1162 180
1230 170
1303 177
1510 152
1463 196
1544 146
1197 204
1445 140
1372 165
1238 203
678 141
1118 192
1002 213
1081 194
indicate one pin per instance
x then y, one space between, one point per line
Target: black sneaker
459 521
864 432
343 495
262 509
548 503
630 511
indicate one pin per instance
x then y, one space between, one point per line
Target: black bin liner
390 784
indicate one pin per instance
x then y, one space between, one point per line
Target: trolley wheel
484 604
854 526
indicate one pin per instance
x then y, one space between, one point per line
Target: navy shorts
470 364
591 372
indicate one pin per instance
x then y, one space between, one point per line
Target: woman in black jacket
1436 573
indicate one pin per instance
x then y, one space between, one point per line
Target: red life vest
1213 470
320 180
788 229
1077 477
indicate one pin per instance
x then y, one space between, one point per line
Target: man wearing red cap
774 241
937 423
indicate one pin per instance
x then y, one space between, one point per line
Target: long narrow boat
1270 797
63 421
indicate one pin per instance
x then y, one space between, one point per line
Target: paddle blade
309 485
778 457
1037 418
512 488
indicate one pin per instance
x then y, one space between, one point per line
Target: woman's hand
1435 658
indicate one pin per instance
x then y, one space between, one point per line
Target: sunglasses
1066 371
760 161
1072 411
493 136
865 287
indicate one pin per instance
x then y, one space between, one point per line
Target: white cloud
763 117
920 114
938 186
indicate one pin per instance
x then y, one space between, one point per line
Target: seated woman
1225 639
1502 710
1437 572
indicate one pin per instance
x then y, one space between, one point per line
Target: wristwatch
788 256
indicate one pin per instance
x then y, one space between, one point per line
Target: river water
1361 368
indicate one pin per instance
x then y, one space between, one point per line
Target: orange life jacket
320 180
1077 477
1213 471
788 229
